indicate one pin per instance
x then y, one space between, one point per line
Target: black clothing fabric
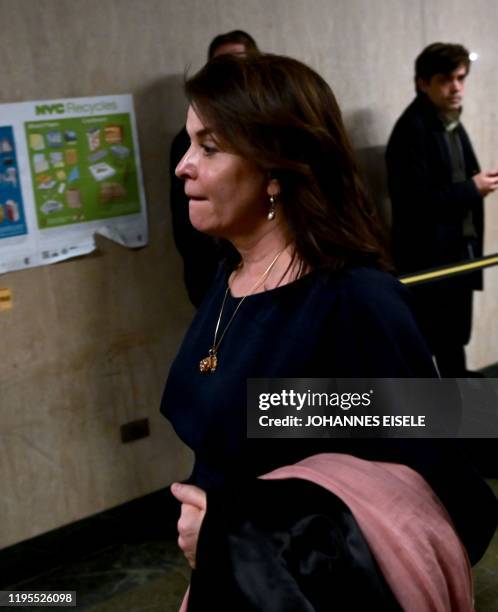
453 305
351 324
201 254
355 323
284 557
436 221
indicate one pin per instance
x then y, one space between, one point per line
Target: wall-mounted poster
12 218
76 174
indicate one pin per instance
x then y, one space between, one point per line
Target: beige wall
89 342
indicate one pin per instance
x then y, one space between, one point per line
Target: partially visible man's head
236 42
440 72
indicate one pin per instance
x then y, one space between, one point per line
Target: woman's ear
273 188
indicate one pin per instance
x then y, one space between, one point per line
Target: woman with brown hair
271 170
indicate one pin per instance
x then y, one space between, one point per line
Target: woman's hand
193 502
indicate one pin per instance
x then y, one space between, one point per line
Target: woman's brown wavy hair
281 115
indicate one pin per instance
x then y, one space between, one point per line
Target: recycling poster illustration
69 169
12 218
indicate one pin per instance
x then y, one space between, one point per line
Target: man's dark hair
232 38
440 58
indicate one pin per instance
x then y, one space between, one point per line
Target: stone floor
145 576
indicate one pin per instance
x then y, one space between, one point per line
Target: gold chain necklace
210 363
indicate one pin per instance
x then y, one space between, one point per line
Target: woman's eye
209 149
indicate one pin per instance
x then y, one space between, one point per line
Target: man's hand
193 502
486 182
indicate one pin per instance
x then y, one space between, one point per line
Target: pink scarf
408 530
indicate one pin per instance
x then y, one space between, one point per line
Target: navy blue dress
353 323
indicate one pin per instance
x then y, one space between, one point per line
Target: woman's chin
202 225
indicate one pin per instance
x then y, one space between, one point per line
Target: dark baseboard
152 517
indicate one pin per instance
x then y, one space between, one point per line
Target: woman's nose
186 166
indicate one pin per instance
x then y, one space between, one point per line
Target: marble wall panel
89 342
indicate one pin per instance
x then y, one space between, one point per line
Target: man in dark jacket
201 254
437 191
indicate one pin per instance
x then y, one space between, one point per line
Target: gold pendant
209 363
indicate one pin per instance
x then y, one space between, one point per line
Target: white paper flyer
69 169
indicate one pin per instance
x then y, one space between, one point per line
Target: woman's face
228 195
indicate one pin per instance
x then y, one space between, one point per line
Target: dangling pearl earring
271 211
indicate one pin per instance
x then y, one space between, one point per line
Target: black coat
427 207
